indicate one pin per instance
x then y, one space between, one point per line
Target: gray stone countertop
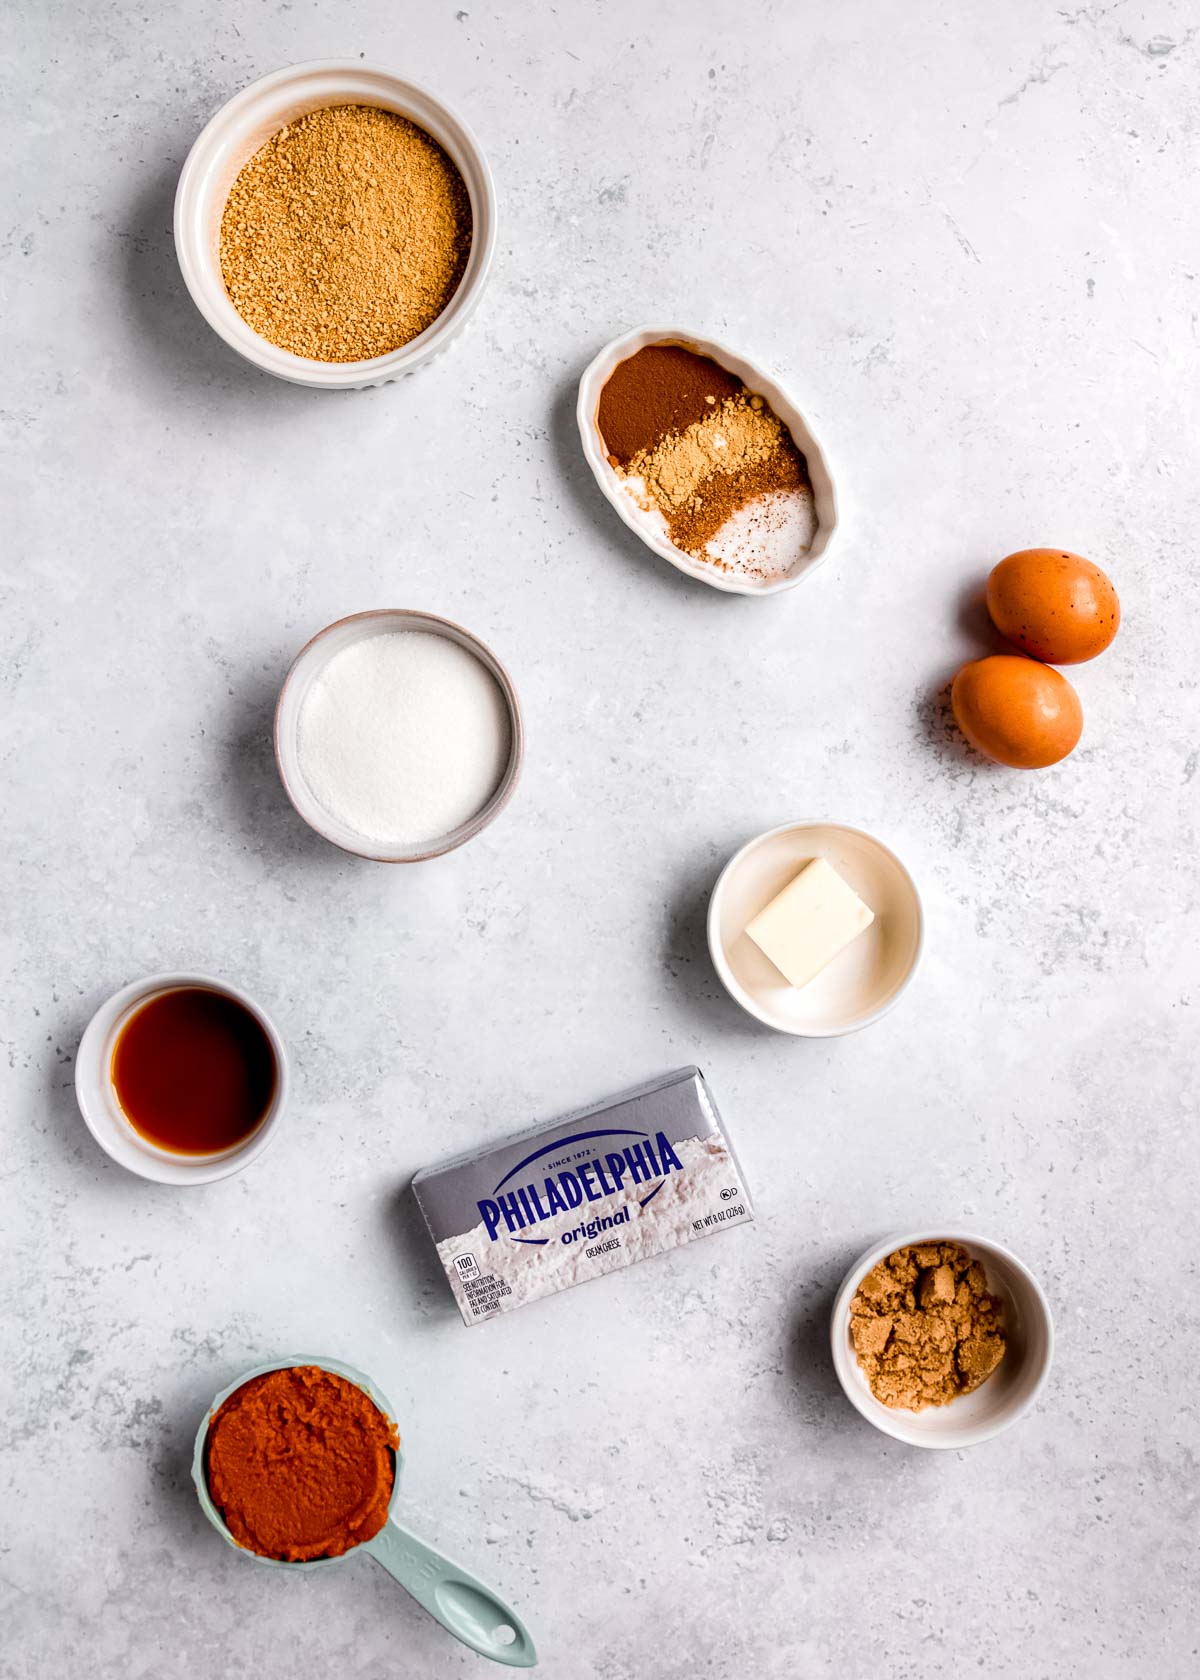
966 237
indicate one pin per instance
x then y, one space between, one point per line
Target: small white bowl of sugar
398 735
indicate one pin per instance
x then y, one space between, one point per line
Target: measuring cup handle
453 1596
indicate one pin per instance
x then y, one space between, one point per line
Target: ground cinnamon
663 388
301 1464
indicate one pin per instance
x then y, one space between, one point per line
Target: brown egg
1017 711
1053 604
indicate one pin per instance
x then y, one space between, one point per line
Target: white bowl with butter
865 979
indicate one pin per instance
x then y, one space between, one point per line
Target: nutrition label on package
484 1293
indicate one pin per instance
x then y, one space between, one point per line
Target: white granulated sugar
403 736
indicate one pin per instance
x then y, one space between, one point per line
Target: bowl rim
93 1080
591 383
338 1368
721 961
393 364
435 624
897 1426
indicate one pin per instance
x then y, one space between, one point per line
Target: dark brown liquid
194 1071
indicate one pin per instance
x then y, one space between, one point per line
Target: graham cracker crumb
925 1327
346 235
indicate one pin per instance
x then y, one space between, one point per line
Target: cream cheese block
600 1189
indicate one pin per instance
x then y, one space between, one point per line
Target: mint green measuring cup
451 1595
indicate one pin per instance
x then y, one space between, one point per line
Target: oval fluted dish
643 524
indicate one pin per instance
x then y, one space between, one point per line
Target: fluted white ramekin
240 128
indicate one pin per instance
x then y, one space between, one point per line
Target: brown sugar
346 235
925 1326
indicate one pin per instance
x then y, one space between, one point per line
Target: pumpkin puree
300 1463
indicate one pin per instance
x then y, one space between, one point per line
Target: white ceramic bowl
756 379
305 667
107 1121
245 124
863 981
1012 1387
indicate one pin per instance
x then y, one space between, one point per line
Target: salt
767 536
403 736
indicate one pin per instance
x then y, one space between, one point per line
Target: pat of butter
809 922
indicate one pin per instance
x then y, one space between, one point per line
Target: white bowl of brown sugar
335 224
941 1337
707 458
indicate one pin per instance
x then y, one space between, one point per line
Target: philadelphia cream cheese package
597 1190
